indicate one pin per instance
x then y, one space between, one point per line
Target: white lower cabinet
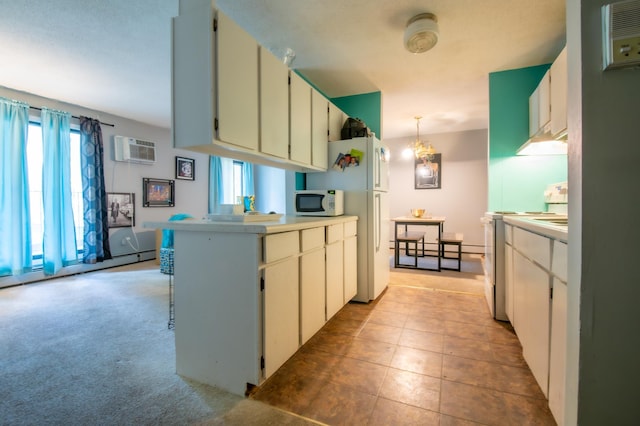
558 350
312 282
532 311
350 268
246 301
335 278
281 313
536 274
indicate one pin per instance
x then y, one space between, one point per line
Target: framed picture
185 168
122 209
428 174
158 193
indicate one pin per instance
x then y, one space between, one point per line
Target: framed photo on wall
185 168
158 192
121 209
428 174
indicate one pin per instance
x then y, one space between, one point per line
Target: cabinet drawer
559 263
335 233
350 228
311 238
279 246
534 246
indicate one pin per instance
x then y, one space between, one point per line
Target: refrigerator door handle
376 167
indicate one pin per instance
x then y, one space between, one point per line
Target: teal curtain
15 230
59 239
96 218
216 188
248 187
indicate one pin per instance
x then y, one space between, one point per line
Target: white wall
191 196
463 196
603 290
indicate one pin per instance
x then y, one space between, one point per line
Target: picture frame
122 209
158 192
428 174
185 168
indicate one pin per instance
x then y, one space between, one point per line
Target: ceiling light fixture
421 33
418 149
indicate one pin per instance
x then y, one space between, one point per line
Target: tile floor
415 356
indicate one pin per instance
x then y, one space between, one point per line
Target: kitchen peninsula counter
283 224
249 294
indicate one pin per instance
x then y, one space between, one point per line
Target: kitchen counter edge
556 232
284 224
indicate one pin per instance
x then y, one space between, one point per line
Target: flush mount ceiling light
421 33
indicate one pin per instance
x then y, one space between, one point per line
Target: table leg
439 239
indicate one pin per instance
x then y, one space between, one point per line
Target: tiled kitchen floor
415 356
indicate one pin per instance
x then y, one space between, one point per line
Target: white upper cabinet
540 107
231 98
336 120
559 89
319 129
237 85
300 119
274 105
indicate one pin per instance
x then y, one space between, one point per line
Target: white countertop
547 229
284 224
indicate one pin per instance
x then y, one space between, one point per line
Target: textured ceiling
114 56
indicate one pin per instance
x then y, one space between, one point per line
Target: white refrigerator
360 167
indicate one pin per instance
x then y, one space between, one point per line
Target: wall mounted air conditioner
134 150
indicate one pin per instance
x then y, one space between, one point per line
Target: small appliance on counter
319 202
556 196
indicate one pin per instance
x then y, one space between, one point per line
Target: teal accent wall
367 107
517 182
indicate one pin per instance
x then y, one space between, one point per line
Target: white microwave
319 202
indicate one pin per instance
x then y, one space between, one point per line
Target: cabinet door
559 89
532 312
558 351
544 114
319 129
312 293
508 280
281 313
336 121
274 105
237 86
335 278
299 119
350 268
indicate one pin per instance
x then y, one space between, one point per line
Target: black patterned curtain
96 219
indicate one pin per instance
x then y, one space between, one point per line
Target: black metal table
407 221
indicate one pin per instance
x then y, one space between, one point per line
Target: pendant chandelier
423 152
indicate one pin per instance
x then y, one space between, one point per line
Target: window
237 180
34 166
